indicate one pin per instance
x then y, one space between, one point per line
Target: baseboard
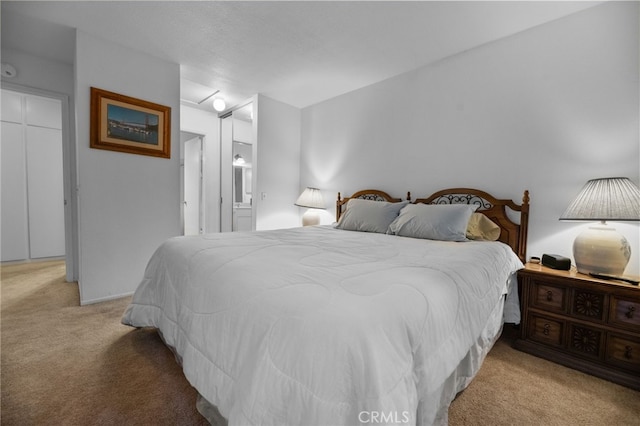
105 299
37 260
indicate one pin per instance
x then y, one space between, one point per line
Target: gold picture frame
125 124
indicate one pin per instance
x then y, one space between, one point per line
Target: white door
236 129
226 174
15 245
193 186
45 192
32 177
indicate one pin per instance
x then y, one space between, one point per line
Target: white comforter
317 325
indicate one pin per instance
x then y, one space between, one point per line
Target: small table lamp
600 249
312 199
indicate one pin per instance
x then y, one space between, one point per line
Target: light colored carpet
63 364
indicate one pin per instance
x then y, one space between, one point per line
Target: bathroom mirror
238 161
242 160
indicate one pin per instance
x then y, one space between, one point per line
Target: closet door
15 245
226 177
44 177
32 177
45 192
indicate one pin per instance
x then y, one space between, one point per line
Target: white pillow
369 216
444 222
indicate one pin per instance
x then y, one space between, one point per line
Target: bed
371 320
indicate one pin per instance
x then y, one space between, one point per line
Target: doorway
35 216
237 169
241 184
191 187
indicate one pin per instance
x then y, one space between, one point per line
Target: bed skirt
440 400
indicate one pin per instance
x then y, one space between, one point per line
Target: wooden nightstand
581 322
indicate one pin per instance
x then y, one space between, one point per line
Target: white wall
207 123
41 73
544 110
278 164
128 204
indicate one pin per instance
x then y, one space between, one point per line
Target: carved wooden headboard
366 194
512 233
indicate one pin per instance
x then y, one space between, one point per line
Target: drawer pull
627 352
549 296
546 329
630 312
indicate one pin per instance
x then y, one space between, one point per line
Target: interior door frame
226 190
69 174
201 192
226 167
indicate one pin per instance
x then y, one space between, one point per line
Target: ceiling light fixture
219 104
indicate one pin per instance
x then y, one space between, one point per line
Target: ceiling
297 52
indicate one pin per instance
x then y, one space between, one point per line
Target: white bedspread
317 325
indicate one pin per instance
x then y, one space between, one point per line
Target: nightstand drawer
549 297
546 330
586 341
624 352
588 305
625 313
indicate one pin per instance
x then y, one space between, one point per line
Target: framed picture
125 124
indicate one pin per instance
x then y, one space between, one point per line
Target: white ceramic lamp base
311 217
600 249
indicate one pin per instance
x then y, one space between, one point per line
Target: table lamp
312 199
600 249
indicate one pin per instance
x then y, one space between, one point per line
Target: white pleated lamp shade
605 199
312 199
600 249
